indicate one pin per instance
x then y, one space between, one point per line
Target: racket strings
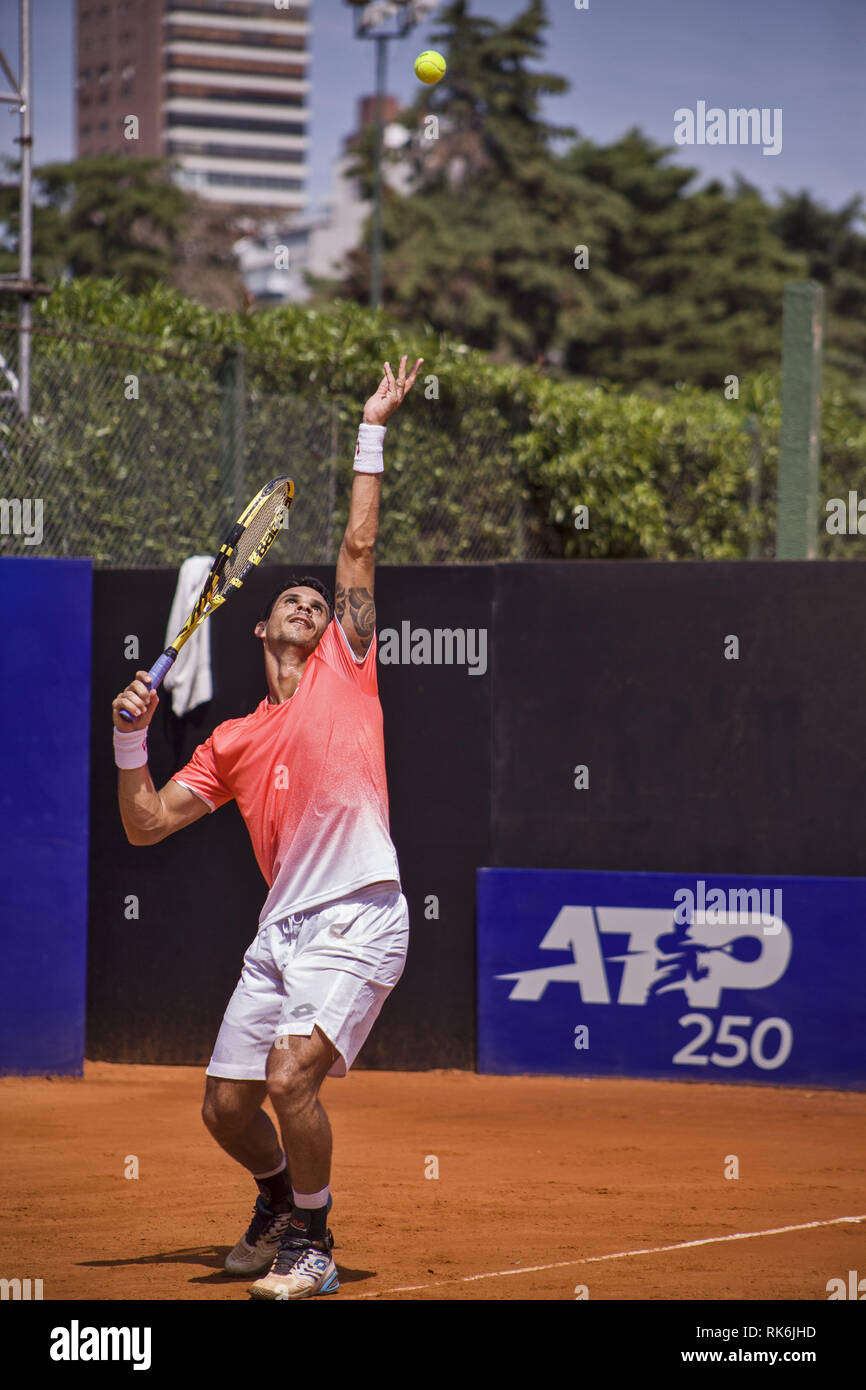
265 523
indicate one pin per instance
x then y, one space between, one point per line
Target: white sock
273 1173
311 1201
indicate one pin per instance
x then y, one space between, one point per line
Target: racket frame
208 600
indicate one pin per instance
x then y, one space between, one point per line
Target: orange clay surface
539 1179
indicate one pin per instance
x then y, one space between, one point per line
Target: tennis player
307 769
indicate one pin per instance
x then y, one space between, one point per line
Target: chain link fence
137 456
141 454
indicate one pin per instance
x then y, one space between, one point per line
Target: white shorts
331 967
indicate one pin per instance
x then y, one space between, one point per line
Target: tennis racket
244 547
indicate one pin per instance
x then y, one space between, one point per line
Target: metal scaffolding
22 284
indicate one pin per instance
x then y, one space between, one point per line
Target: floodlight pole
378 238
25 219
24 286
368 25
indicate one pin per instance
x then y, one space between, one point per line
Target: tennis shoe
256 1249
302 1268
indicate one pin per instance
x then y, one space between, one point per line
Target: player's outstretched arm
148 815
353 600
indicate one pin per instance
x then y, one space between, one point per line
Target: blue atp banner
659 975
44 800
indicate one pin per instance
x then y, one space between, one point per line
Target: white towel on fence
190 679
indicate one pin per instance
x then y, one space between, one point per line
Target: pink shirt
309 779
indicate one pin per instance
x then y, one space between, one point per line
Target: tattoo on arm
362 610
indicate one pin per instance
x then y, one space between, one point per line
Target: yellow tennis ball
429 66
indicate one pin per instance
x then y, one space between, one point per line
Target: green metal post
800 442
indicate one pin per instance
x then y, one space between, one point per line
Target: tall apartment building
218 86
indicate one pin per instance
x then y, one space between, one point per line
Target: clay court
544 1184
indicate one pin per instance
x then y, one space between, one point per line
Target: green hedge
489 461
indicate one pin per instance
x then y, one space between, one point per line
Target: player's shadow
212 1256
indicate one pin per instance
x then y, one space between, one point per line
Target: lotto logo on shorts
303 1011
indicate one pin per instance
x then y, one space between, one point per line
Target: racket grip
155 676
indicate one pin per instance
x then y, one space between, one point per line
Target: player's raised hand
139 700
381 406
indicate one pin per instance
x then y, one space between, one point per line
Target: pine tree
707 271
484 246
836 256
682 282
110 215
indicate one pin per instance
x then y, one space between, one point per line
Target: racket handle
155 676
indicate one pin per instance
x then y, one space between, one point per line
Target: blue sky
630 62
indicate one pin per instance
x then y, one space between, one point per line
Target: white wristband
130 750
368 454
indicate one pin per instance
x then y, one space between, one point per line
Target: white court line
598 1259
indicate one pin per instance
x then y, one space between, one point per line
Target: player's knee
221 1119
291 1087
210 1113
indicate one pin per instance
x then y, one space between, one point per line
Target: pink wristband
130 750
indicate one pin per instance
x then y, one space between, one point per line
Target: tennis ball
429 66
